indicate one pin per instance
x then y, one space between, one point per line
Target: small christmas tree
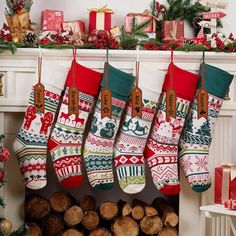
205 129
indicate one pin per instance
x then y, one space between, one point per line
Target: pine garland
130 40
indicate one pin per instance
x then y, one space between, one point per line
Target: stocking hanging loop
106 107
170 93
39 88
136 94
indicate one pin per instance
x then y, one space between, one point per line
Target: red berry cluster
5 33
17 5
219 43
105 41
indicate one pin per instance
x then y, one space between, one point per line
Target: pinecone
30 38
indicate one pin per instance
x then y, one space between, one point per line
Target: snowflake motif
187 165
201 163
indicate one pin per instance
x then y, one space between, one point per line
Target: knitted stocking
30 145
67 136
129 147
162 147
197 134
98 148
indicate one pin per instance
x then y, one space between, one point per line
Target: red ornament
2 174
4 155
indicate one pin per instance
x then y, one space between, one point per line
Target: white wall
78 9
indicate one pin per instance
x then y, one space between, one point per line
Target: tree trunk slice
168 231
72 232
124 208
90 220
73 216
108 210
34 230
37 207
151 225
60 201
87 203
138 212
167 212
100 232
150 211
53 225
125 226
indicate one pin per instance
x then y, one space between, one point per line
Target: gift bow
230 168
145 13
103 9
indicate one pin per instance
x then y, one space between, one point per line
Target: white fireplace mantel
19 71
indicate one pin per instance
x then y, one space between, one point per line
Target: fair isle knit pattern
128 150
30 145
67 138
98 149
162 147
194 144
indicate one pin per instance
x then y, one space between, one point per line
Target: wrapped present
77 27
51 20
140 18
225 183
231 204
100 19
18 24
173 30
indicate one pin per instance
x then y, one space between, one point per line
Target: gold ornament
6 226
16 40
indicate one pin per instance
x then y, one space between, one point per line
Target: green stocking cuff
217 81
119 82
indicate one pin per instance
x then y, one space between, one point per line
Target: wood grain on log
60 201
124 208
90 220
52 225
72 232
168 231
138 212
100 232
37 207
125 226
108 210
151 225
87 203
73 216
34 230
150 211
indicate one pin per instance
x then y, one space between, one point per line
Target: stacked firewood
63 216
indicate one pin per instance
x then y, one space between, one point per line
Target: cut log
87 203
124 208
150 211
125 225
90 220
151 225
137 212
167 212
168 231
73 216
72 232
60 201
34 230
52 225
37 207
100 232
108 210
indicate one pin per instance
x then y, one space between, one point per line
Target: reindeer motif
78 120
65 116
139 129
126 125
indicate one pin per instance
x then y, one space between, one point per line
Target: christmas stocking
162 147
30 145
98 150
67 136
129 147
197 134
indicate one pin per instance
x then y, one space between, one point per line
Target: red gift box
225 183
173 30
77 27
51 20
100 19
140 18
